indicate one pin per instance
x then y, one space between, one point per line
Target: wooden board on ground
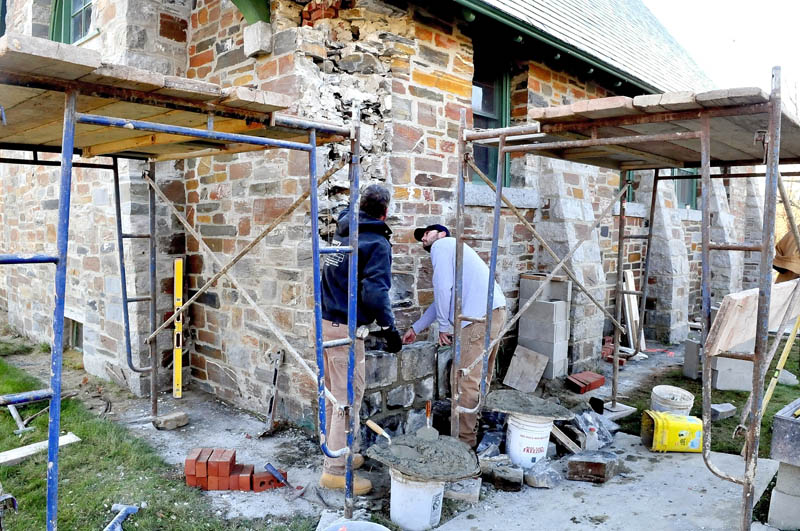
525 370
735 322
632 311
17 455
564 440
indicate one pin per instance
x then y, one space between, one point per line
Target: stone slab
617 412
722 411
692 364
731 375
525 370
258 39
786 435
660 492
468 490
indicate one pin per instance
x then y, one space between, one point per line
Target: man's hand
445 338
409 337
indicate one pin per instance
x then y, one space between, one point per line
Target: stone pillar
566 218
667 304
726 266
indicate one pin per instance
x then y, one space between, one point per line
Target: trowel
380 431
428 433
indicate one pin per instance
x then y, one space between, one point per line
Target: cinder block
788 480
556 369
554 351
550 332
731 375
246 477
560 290
722 411
547 311
784 510
201 464
692 365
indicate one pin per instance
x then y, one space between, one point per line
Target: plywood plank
525 370
17 455
11 95
600 108
32 55
735 322
632 311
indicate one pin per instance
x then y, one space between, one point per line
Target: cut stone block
732 375
692 365
171 421
788 479
784 510
545 311
560 290
468 490
550 332
554 351
722 411
787 378
258 39
596 467
525 370
786 434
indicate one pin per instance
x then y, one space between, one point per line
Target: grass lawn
108 466
722 430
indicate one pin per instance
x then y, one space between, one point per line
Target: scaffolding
184 122
650 132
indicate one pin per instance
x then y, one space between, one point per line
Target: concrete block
732 375
550 332
171 421
692 364
722 411
596 466
468 490
258 39
553 350
785 434
556 369
546 311
784 510
788 479
556 290
787 378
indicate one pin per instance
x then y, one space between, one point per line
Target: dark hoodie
374 273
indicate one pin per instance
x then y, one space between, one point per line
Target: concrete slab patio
656 492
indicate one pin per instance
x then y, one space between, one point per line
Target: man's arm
443 279
426 320
376 280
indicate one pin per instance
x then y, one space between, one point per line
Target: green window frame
2 17
686 189
70 20
491 108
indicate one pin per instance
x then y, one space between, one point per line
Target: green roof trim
492 12
253 10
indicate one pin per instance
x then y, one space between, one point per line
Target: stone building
409 68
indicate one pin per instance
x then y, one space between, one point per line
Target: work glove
390 334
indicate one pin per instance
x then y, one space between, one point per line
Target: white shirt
475 287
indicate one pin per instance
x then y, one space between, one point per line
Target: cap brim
419 233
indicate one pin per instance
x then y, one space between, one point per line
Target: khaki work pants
336 380
472 339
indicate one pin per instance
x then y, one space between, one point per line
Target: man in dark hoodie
374 282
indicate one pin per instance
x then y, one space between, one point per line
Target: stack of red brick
608 351
216 469
583 382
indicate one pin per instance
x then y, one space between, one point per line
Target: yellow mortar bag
668 432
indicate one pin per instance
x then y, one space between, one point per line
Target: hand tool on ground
122 514
275 359
297 492
7 501
377 429
20 424
428 433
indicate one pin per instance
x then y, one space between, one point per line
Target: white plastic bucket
356 525
671 399
415 505
527 438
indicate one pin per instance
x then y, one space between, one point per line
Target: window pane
76 27
87 19
483 97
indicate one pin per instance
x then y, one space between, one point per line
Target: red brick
266 210
264 480
201 58
226 466
191 481
189 467
202 482
246 477
201 464
214 461
172 28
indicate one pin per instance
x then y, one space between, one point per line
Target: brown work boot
361 485
358 461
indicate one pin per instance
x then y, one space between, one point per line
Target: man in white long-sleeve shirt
436 240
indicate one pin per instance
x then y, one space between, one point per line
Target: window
491 108
686 189
70 20
2 17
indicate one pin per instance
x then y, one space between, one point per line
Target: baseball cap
419 232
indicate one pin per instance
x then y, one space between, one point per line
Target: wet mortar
445 459
510 401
